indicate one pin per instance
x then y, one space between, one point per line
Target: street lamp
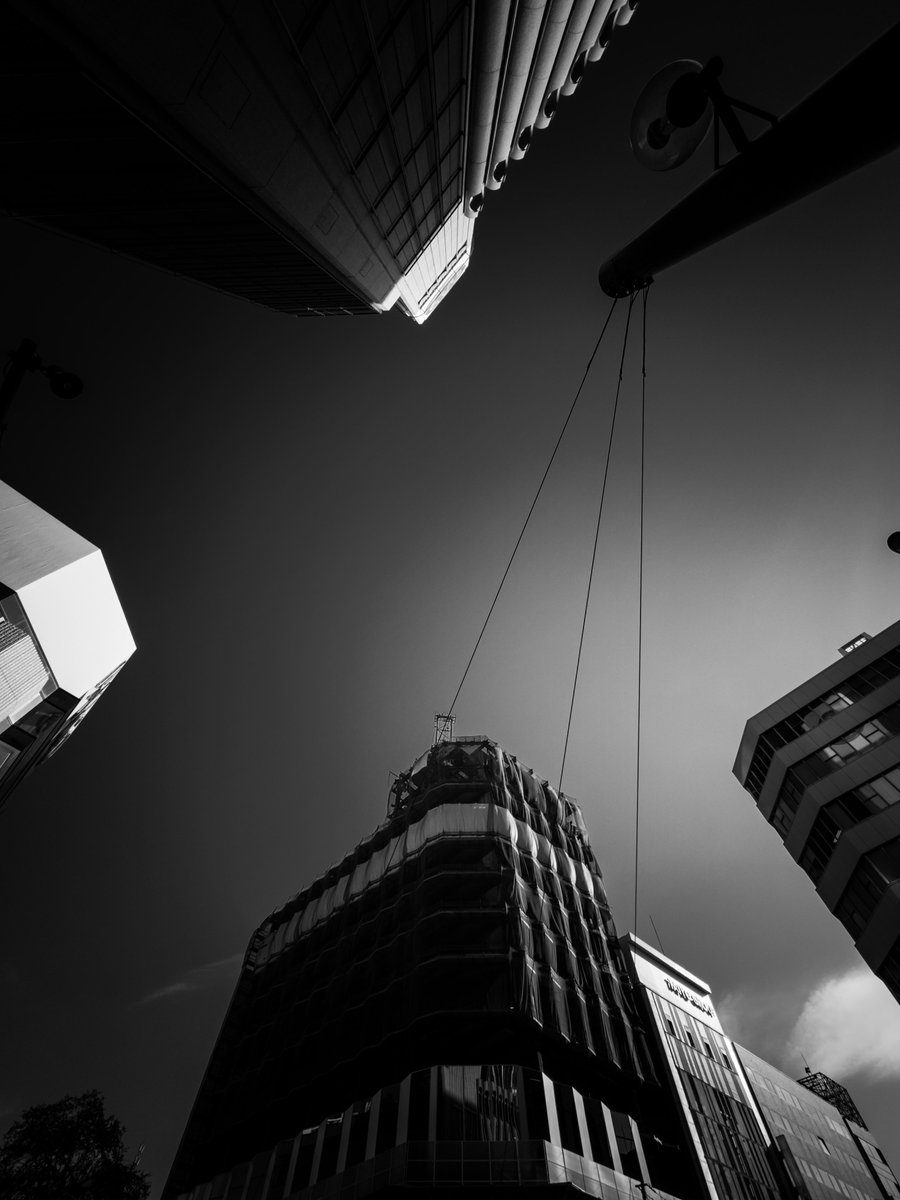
24 358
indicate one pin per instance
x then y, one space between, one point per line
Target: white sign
689 998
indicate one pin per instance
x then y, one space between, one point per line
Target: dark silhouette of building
446 1006
450 1007
63 635
823 764
310 156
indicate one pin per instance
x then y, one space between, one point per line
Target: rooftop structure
308 156
835 1093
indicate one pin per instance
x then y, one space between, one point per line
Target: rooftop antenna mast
443 728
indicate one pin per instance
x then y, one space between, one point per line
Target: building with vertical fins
823 765
722 1132
748 1129
446 1007
63 635
309 156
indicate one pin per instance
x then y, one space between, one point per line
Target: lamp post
24 358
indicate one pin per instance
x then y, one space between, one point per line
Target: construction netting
475 919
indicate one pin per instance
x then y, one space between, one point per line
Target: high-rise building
310 156
749 1129
63 635
447 1006
823 764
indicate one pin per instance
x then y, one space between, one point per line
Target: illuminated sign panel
858 641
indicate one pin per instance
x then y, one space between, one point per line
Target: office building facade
823 1144
721 1127
63 635
750 1130
823 765
447 1007
309 156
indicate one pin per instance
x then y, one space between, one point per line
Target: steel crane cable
640 647
534 502
587 599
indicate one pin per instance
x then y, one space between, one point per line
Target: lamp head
672 116
64 384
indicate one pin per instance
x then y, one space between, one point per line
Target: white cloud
761 1017
850 1025
223 970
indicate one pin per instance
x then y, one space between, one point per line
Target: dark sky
306 521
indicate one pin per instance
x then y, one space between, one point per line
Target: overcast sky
306 522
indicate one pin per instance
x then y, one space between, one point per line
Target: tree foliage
70 1150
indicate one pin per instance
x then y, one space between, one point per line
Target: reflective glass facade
823 764
446 1005
825 1155
720 1128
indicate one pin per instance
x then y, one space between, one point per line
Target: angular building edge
822 764
295 159
63 634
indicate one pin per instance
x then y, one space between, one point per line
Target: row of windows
494 876
868 799
871 877
830 758
449 872
476 1114
395 99
820 845
731 1140
814 1117
692 1030
889 971
396 845
679 1026
816 1142
860 684
707 1069
811 1171
288 1045
687 1036
883 1173
844 813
